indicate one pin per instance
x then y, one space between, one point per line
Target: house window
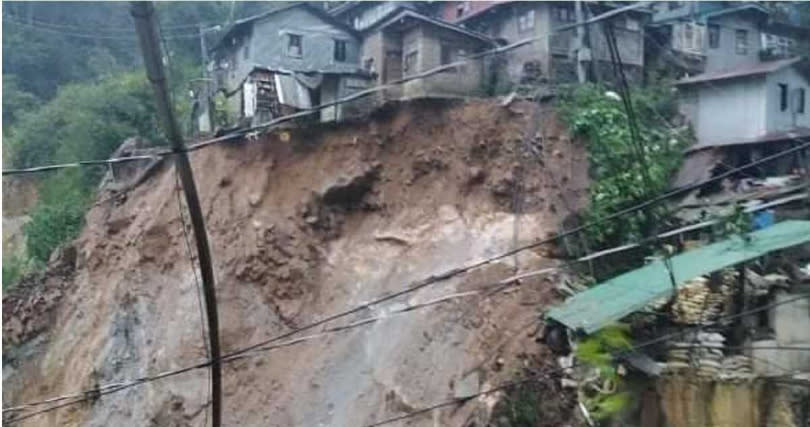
409 65
564 14
246 51
691 37
714 36
800 101
741 45
783 97
294 47
340 50
526 20
462 8
368 65
451 54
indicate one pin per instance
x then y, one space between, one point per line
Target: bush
14 268
598 352
85 121
59 215
616 169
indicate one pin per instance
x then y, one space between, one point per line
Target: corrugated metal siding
612 300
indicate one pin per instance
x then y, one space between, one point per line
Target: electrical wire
94 36
119 29
456 271
428 281
113 388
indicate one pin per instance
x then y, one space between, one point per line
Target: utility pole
146 26
206 102
580 43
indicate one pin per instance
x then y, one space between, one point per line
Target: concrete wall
731 110
791 326
725 56
465 81
777 120
504 24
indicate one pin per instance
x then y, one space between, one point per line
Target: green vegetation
597 351
615 167
74 89
58 216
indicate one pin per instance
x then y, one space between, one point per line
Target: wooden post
146 26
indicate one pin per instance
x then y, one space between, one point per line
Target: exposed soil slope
303 224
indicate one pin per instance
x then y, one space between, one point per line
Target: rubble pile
759 286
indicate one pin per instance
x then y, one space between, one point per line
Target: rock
475 176
254 199
467 387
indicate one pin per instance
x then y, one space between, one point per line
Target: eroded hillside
303 224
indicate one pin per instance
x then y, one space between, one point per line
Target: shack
407 43
288 59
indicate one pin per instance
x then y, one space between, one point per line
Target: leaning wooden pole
146 25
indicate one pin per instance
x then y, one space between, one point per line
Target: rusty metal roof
614 299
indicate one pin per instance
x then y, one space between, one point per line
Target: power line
511 384
112 388
438 277
86 35
260 347
56 25
454 272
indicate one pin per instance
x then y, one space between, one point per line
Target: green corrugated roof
612 300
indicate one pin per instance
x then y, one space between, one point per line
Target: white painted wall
731 110
776 119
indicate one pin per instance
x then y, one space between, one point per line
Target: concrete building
709 36
290 58
748 103
407 43
745 114
689 38
552 59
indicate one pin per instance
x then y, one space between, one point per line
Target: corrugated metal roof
612 300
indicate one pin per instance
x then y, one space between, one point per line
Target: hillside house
744 114
552 59
696 37
286 60
407 43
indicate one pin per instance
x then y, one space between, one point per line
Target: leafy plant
59 215
616 167
597 351
14 267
